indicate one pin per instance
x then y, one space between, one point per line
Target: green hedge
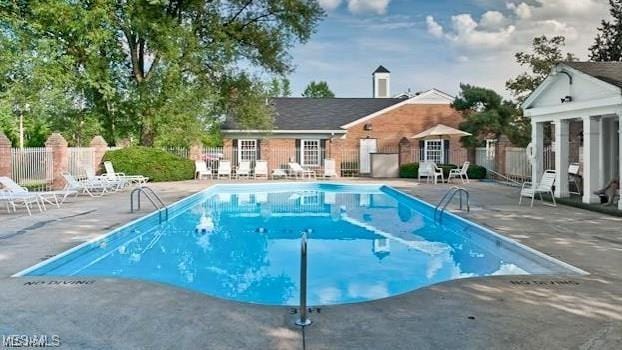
154 163
409 171
476 172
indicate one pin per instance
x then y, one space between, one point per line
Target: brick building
308 130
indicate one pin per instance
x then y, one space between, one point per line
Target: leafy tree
546 53
486 115
157 68
608 43
280 87
318 89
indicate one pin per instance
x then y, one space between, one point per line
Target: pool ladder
153 198
444 202
303 321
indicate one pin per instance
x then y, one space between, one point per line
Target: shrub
476 172
446 168
154 163
409 171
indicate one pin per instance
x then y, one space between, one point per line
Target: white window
434 151
310 152
247 150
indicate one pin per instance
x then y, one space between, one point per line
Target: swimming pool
242 242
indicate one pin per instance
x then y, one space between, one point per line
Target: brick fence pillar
336 145
5 155
405 149
100 147
60 155
196 152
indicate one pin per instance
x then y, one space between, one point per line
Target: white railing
32 167
80 160
178 151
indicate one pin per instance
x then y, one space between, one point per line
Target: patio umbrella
439 131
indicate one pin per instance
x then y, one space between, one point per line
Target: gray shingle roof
381 69
321 113
610 72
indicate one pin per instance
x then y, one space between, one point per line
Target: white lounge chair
330 170
429 170
201 169
296 171
12 200
112 184
50 197
136 179
261 169
279 173
460 173
224 169
93 189
244 169
545 185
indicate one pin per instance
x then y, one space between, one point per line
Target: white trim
600 106
254 141
554 74
442 149
302 152
413 100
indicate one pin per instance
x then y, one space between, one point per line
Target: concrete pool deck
516 312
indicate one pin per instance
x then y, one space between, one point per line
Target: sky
435 43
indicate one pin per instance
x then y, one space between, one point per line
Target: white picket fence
32 167
516 165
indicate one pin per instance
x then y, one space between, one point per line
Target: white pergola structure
592 93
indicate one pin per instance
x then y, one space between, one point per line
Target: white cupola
381 83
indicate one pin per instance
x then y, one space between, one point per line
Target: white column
562 130
591 158
620 154
602 151
537 138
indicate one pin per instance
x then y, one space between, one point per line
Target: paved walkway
528 312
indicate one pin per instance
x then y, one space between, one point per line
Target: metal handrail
449 195
150 194
303 320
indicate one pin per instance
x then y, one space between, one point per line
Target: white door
367 147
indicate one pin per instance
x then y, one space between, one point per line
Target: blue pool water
242 242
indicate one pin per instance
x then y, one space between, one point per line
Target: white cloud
375 6
330 5
492 20
576 20
433 27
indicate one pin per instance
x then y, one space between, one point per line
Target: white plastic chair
261 169
573 174
279 173
460 173
296 170
244 169
330 170
111 183
201 169
429 170
224 169
545 185
14 199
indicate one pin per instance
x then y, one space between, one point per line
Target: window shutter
234 152
322 151
446 151
258 150
298 150
421 155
